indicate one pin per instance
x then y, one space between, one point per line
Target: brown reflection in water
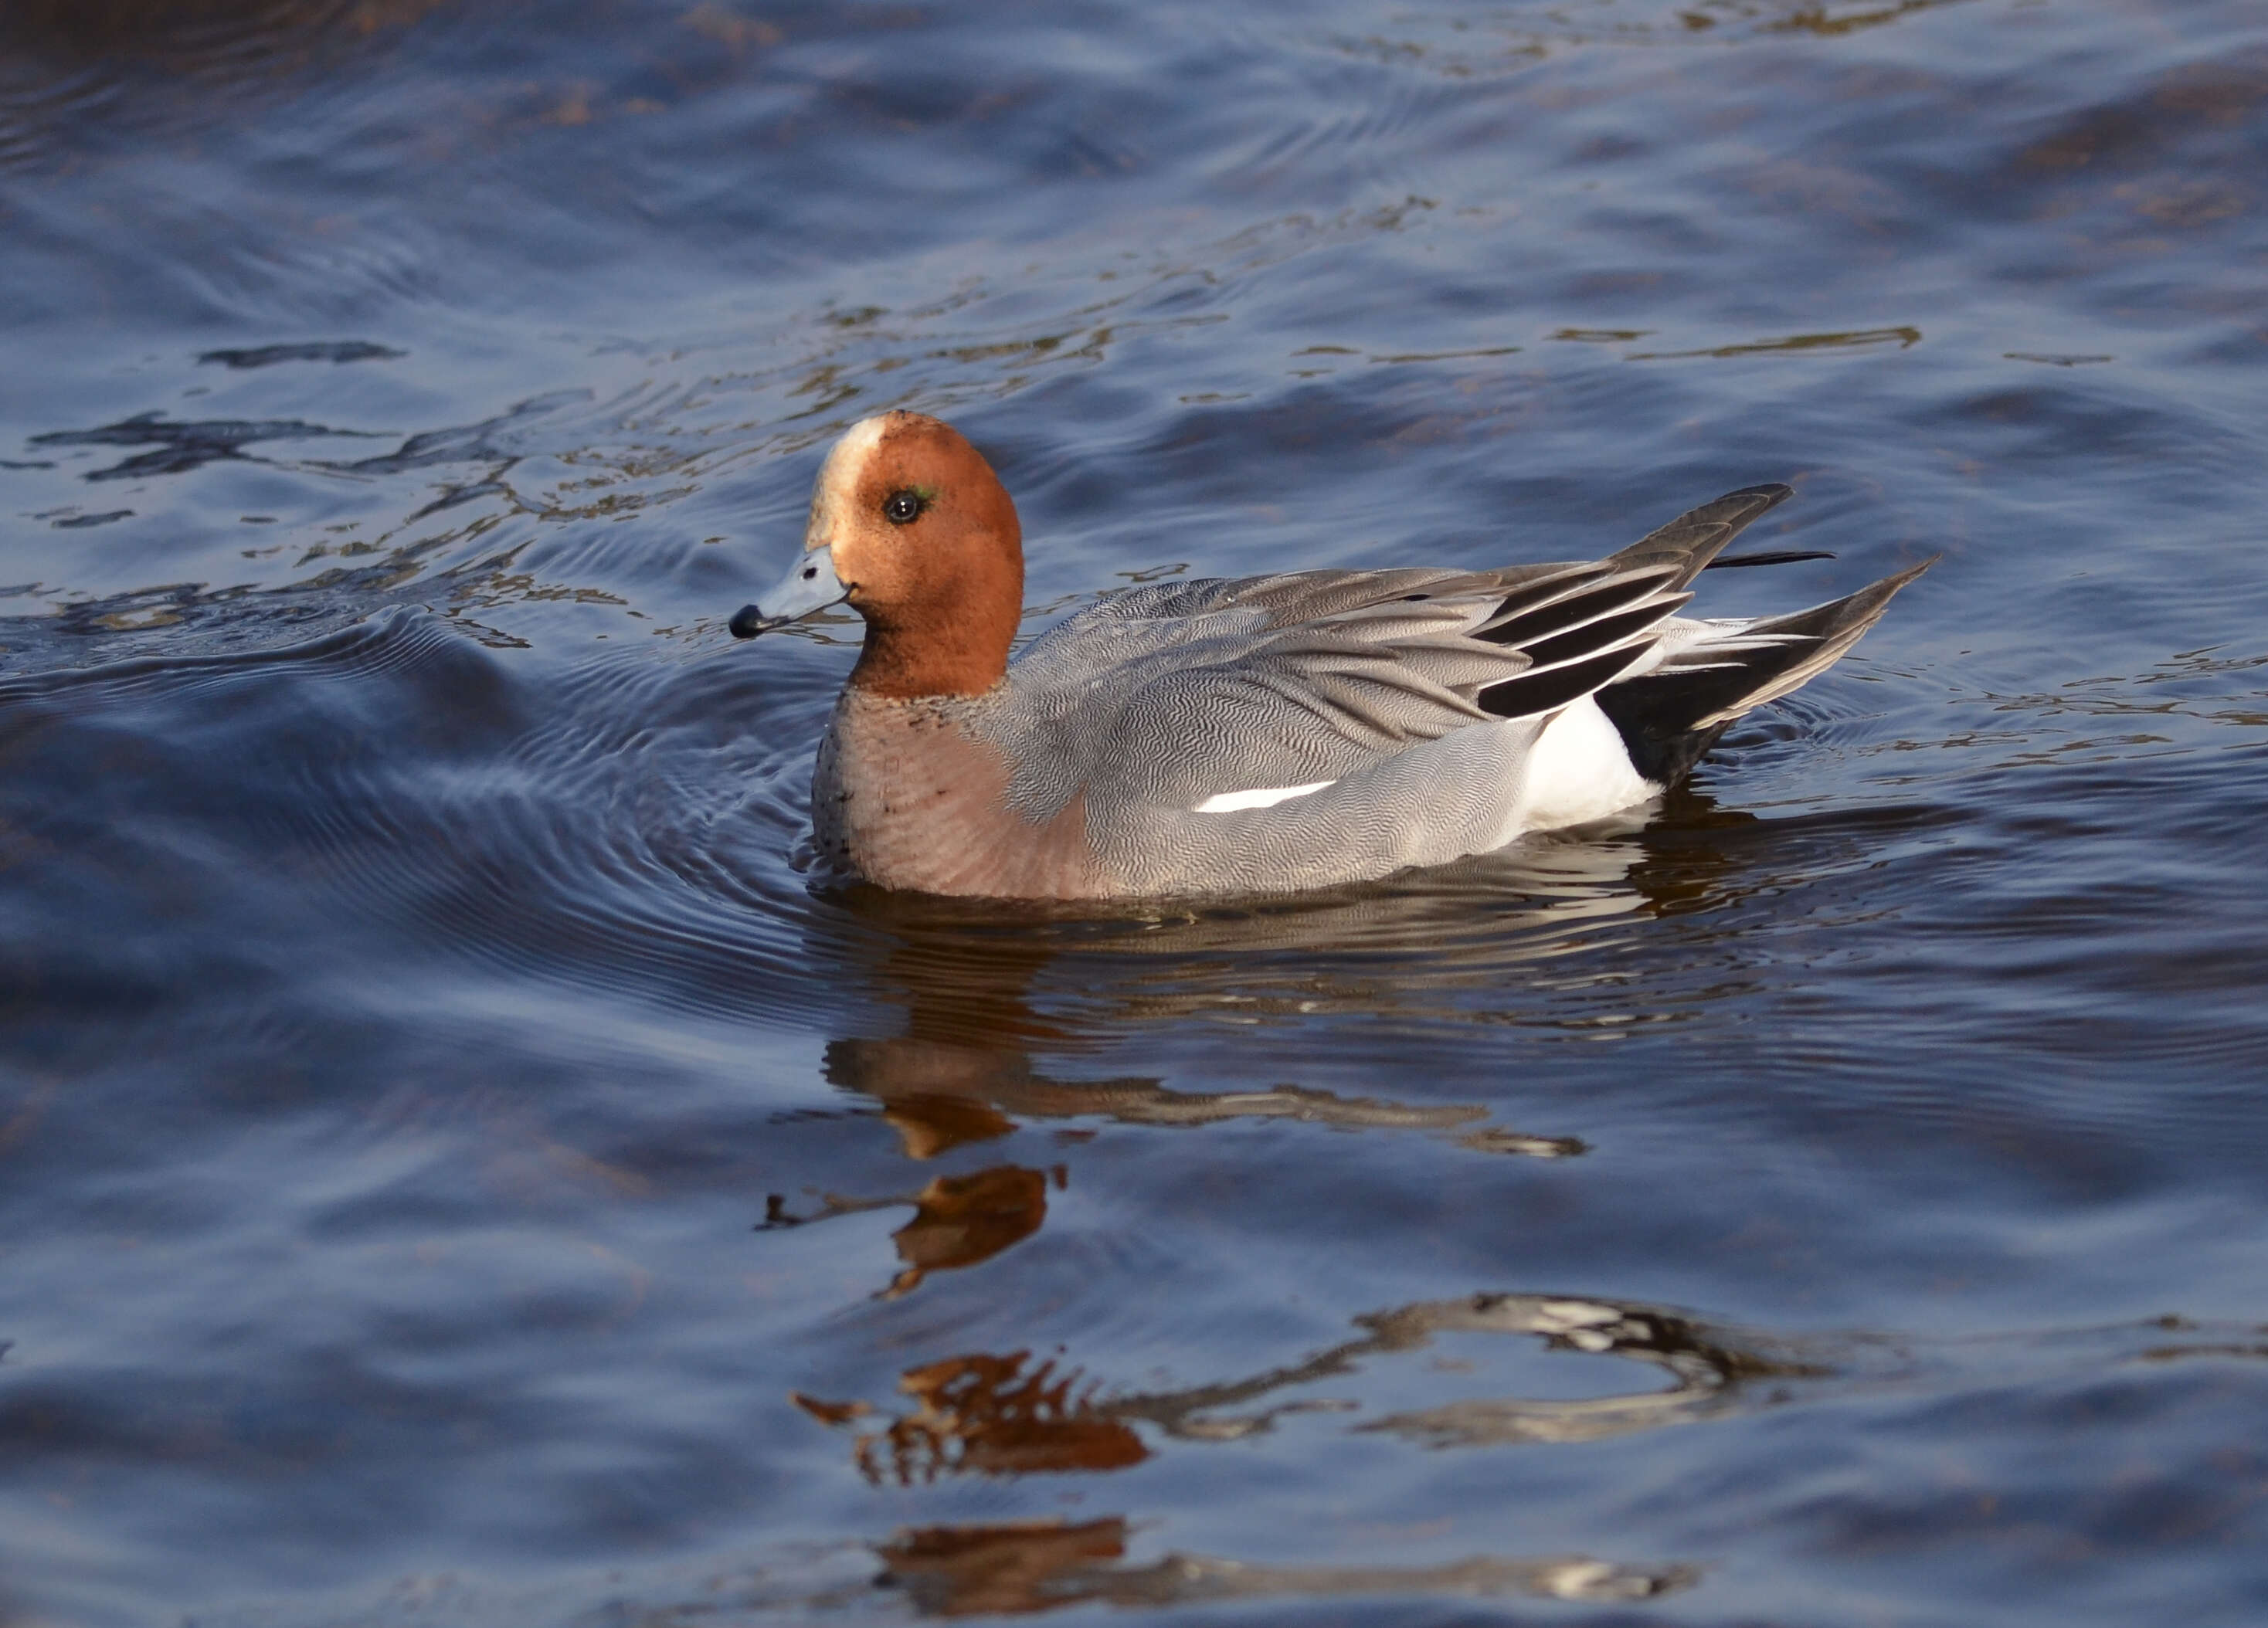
938 1095
961 1220
1019 1568
958 1221
986 1414
1015 1569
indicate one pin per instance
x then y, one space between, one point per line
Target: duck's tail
1670 716
1687 544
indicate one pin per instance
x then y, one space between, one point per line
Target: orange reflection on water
961 1220
958 1221
987 1415
1016 1568
1013 1569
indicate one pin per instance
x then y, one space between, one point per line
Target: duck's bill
809 585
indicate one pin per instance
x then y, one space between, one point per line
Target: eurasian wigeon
1256 734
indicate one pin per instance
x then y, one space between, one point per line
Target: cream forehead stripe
838 479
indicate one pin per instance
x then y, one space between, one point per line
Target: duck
1248 736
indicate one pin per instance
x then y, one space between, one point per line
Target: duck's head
911 528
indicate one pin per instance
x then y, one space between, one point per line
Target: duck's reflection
938 1094
995 1006
983 992
1002 1415
995 1415
987 1415
1023 1568
981 987
1706 1370
958 1221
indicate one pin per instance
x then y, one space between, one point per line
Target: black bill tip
749 620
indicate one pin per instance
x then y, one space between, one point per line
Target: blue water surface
458 1164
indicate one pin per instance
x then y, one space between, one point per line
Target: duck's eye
902 508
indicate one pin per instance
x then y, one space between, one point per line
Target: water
456 1166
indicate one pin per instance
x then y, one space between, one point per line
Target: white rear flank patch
1578 770
1265 797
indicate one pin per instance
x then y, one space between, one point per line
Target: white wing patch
1265 797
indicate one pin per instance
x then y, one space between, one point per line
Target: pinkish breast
904 795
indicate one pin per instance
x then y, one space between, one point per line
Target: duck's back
1267 734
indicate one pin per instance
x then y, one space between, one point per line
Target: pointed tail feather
1696 536
1668 717
1778 556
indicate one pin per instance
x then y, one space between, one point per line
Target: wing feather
1327 673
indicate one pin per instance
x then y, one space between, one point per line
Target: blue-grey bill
809 585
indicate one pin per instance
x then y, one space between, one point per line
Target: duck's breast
909 795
